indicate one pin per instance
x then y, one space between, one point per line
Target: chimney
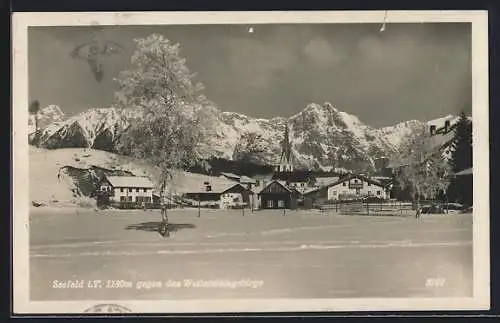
446 126
433 130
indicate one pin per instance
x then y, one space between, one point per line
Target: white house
355 186
128 188
225 195
351 187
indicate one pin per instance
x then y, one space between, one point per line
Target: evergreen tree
461 158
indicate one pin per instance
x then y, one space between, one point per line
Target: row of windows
356 182
357 192
137 189
270 203
146 199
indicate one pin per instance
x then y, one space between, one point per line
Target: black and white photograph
198 162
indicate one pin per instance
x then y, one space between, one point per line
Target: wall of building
365 189
230 199
131 194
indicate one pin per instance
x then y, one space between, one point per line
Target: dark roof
218 188
294 176
280 183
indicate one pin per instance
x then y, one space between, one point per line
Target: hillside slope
67 176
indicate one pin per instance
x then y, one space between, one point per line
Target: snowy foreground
223 254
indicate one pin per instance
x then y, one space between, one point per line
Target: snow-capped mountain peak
46 116
321 136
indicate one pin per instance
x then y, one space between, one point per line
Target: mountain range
321 136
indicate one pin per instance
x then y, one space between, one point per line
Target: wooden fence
384 208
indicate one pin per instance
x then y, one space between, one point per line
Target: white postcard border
481 272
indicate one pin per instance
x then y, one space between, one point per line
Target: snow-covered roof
246 180
326 180
130 181
346 178
230 175
216 187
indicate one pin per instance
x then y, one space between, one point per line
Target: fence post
199 209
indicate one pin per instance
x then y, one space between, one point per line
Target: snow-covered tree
422 169
161 85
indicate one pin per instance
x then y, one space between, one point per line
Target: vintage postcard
211 162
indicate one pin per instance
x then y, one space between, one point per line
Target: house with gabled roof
353 186
223 195
277 195
128 188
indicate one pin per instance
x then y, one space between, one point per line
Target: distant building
128 188
440 139
349 187
276 195
224 195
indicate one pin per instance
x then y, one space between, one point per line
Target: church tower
285 164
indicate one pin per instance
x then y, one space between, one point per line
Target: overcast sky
409 71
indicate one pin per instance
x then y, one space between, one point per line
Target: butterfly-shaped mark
94 52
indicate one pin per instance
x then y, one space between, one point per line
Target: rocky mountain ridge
321 136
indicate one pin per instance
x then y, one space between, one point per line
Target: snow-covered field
300 255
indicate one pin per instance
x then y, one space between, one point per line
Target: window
281 203
209 188
369 184
121 189
147 199
122 199
130 190
269 203
130 198
358 191
344 184
369 192
145 190
137 190
355 181
378 192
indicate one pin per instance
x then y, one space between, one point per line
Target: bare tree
422 169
